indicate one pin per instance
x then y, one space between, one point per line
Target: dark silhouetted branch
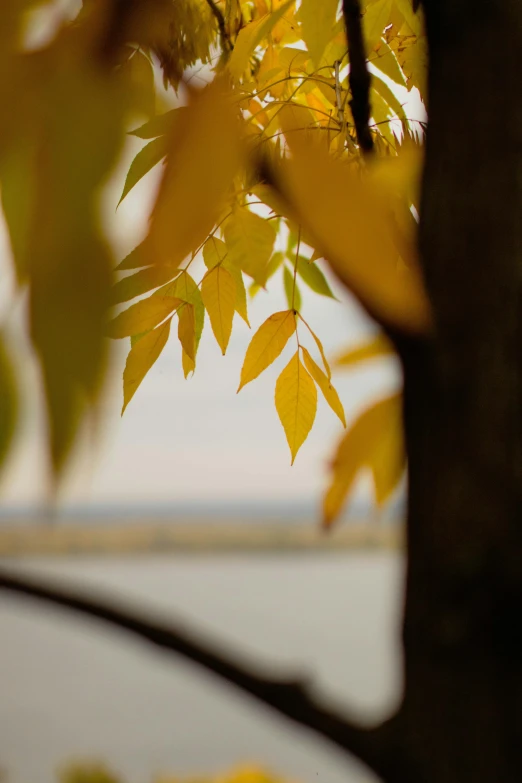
359 77
289 697
220 19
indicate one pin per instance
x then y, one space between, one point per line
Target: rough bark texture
462 713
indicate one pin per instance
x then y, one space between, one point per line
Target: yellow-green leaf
267 344
161 125
203 158
218 291
8 403
376 18
145 160
317 22
313 277
141 357
136 259
187 330
384 59
319 347
293 295
352 226
142 316
325 384
377 347
361 448
214 252
250 240
296 403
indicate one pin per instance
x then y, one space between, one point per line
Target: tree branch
291 698
220 19
359 77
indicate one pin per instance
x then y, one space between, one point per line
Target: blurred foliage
97 772
262 175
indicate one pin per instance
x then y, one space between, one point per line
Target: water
72 689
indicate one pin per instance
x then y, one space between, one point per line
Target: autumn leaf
142 356
352 227
296 403
379 346
317 21
374 21
142 316
374 441
250 37
141 282
325 384
203 157
218 291
267 344
144 161
187 330
249 239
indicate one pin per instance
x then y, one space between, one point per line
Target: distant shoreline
59 538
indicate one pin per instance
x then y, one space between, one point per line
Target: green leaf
144 161
313 277
293 295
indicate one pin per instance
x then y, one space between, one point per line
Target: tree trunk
461 720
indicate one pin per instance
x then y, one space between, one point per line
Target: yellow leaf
8 403
187 330
214 252
188 364
250 240
296 403
389 459
377 347
141 357
361 448
324 383
376 18
319 347
203 157
349 220
250 37
317 22
218 291
267 344
142 316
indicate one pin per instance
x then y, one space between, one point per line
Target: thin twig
288 697
359 77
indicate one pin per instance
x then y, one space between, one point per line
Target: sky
188 441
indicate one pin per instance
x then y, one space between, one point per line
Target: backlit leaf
293 295
161 125
141 357
325 384
144 161
313 277
296 403
375 19
214 252
319 347
250 37
352 226
142 316
250 240
203 157
218 291
266 345
136 259
317 22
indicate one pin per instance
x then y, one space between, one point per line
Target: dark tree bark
462 712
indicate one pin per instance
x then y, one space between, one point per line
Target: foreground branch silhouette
290 697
